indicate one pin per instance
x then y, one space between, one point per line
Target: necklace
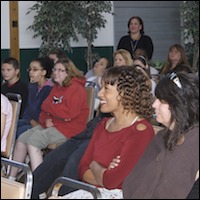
134 120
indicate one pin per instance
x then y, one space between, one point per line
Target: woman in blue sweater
39 88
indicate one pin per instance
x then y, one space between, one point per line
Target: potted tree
59 22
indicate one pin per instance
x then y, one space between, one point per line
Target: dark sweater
35 101
144 43
163 174
194 193
20 88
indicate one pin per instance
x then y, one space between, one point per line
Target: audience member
63 115
122 57
39 88
168 168
6 120
136 38
12 83
176 61
56 163
141 61
125 135
153 71
93 77
57 54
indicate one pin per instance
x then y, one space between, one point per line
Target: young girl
39 88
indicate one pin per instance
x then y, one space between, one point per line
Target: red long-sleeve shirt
67 107
129 143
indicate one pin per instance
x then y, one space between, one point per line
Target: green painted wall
77 56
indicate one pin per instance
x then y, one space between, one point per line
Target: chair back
53 192
11 189
90 91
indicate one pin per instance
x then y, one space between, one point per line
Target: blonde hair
126 55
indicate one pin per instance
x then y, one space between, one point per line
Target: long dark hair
181 91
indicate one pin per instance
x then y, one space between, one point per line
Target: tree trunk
89 52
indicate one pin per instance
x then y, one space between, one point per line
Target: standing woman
63 114
169 167
136 38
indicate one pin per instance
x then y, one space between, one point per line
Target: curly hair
133 87
180 91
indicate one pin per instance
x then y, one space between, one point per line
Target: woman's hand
115 162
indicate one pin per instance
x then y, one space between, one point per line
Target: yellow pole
14 30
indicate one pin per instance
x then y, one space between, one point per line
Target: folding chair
54 189
15 100
11 189
90 90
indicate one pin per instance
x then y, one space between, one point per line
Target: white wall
105 35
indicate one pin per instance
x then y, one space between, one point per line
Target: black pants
62 161
194 193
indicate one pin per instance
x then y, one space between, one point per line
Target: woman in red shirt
63 115
125 93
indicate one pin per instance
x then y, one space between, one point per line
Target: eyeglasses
173 77
34 69
59 70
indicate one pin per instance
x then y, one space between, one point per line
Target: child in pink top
6 120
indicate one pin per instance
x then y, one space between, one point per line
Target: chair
54 189
90 91
16 101
16 190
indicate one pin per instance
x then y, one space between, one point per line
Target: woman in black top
136 38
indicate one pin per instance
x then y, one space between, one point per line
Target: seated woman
170 164
142 62
122 57
63 115
93 76
6 120
125 93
